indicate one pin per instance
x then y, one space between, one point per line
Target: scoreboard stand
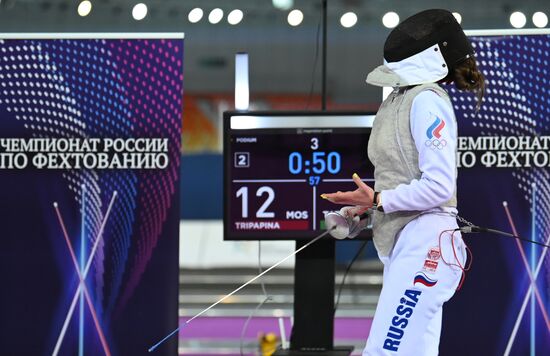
313 329
276 164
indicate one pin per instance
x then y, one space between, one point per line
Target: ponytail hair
467 76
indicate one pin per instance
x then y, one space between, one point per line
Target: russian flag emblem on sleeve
421 278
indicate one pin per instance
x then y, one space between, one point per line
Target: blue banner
504 183
90 132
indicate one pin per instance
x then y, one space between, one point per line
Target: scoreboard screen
277 164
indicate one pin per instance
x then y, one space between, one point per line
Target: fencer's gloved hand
346 222
357 223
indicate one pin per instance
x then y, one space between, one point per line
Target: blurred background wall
283 39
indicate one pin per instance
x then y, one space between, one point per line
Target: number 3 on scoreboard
314 143
261 213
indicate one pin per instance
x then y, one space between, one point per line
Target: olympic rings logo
435 143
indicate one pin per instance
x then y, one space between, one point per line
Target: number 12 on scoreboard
261 213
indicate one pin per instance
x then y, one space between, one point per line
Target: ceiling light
349 19
84 8
518 19
540 19
390 19
195 15
235 17
242 96
283 4
295 17
139 11
458 17
215 16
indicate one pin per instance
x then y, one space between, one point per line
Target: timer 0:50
321 162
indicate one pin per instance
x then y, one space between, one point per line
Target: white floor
202 246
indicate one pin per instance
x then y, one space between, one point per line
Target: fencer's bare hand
363 195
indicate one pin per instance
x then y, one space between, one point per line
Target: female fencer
413 149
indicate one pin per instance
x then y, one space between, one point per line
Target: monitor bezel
227 115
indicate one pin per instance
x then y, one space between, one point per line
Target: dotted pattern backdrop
105 88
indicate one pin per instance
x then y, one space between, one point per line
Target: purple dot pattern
152 71
105 88
91 76
516 103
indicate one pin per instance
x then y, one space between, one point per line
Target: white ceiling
281 57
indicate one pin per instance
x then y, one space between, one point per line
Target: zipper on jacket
394 93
